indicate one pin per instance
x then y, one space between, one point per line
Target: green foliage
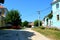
42 27
36 23
54 28
52 33
13 17
50 15
25 23
2 1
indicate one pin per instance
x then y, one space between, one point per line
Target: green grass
53 34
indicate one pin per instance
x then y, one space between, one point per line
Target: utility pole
38 18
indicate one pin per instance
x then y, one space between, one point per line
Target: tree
25 23
50 15
13 17
36 23
2 1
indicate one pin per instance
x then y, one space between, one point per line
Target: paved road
15 35
26 34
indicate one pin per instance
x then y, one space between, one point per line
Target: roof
1 7
31 23
55 2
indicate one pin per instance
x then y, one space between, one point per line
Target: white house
55 20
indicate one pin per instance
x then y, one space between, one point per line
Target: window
57 17
57 5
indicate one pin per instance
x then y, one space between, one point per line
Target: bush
54 28
42 27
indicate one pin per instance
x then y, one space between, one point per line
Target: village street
26 34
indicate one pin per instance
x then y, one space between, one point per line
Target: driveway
26 34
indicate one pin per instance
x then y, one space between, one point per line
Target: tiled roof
1 7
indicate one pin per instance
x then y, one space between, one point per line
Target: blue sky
28 8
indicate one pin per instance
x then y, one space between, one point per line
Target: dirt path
37 35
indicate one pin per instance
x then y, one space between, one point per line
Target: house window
57 5
57 17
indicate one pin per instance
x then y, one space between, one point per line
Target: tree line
13 17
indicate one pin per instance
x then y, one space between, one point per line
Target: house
3 12
31 24
54 21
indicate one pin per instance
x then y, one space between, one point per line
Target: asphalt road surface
26 34
15 35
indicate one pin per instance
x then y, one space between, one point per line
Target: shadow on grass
15 35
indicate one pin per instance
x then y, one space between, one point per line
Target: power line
40 12
45 9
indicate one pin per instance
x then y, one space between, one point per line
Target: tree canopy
50 15
13 17
36 23
2 1
25 23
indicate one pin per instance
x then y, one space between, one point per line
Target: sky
28 8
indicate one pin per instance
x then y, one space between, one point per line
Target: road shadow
15 35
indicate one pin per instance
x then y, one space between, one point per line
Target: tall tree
13 17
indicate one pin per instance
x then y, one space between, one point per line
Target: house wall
49 22
45 23
56 11
3 12
54 21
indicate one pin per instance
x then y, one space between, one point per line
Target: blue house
55 20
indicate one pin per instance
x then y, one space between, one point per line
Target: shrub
42 27
54 28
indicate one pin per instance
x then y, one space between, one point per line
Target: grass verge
53 34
